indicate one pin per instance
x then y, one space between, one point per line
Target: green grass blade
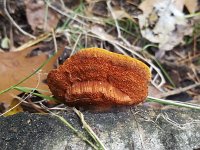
31 90
171 102
80 135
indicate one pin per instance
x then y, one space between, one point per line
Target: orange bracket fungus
97 77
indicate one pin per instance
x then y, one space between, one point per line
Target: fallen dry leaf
15 108
163 22
38 17
15 66
191 5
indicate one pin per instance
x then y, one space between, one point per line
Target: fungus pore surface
94 76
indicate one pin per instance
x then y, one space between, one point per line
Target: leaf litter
164 22
17 65
95 32
82 28
40 17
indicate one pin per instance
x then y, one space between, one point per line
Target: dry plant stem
117 25
80 135
114 17
184 60
192 15
63 4
34 106
89 130
64 14
14 23
75 45
67 11
45 17
33 42
54 41
179 90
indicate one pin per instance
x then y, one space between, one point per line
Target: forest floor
170 46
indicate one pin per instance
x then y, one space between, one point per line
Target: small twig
45 17
34 41
179 90
36 107
89 130
114 17
15 24
74 47
63 4
117 24
54 41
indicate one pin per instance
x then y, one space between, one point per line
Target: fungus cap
94 76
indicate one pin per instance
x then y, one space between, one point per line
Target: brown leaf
36 11
192 5
15 66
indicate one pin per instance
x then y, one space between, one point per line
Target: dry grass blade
35 41
80 135
89 130
179 90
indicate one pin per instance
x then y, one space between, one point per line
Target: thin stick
34 41
74 47
54 41
114 17
179 90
